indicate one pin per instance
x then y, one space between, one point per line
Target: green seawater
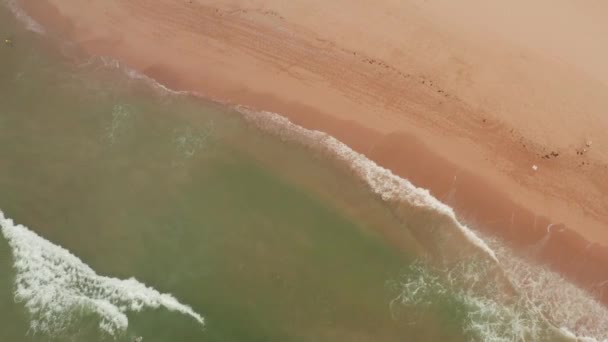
267 240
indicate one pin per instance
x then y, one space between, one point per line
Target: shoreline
444 151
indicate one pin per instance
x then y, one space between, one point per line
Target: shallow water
250 226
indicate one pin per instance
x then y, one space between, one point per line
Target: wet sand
463 111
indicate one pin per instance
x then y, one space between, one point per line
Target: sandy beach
500 110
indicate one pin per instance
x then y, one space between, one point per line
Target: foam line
546 306
55 286
383 182
574 311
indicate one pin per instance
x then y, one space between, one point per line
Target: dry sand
461 97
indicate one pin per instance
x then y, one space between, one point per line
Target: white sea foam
55 286
20 14
569 307
383 182
545 306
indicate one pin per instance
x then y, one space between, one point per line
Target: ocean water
129 210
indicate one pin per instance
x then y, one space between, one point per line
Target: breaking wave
384 183
57 287
544 306
573 310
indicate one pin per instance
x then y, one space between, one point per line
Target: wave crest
57 287
382 182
